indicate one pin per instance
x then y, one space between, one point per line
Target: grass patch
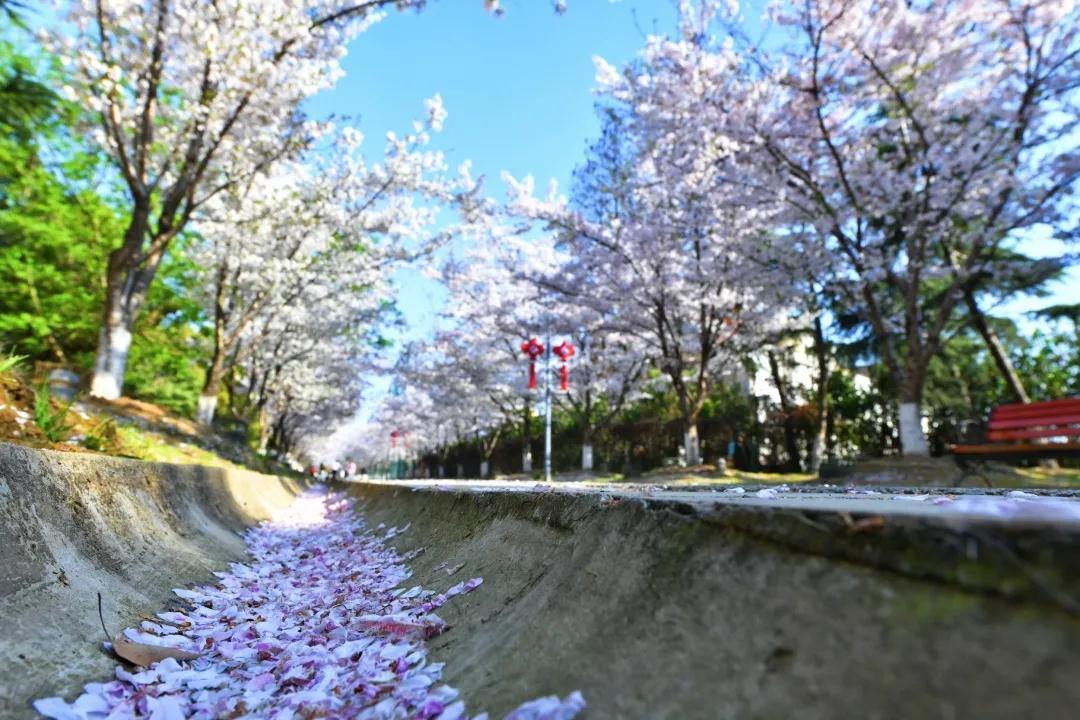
741 477
51 421
1050 477
147 445
11 364
730 477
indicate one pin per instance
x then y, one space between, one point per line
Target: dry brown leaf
146 655
868 524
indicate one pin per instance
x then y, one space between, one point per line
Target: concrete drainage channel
654 604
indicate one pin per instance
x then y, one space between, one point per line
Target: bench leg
971 467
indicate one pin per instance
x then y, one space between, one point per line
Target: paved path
1026 508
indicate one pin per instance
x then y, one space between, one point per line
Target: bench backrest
1025 421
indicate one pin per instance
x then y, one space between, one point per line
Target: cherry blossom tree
896 148
448 390
191 99
918 140
669 250
473 371
493 307
304 371
607 374
333 219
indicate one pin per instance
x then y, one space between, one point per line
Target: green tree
171 341
55 229
58 225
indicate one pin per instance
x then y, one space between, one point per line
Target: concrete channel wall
659 607
654 605
73 526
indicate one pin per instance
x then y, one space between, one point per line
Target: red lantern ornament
565 351
532 349
394 435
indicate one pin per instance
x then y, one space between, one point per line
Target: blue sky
518 89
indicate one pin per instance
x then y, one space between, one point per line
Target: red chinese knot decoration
565 351
532 349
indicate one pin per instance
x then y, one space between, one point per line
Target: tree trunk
110 363
126 285
587 448
821 352
791 441
691 445
207 406
587 456
209 396
214 374
279 439
912 438
830 434
264 430
817 445
526 440
996 348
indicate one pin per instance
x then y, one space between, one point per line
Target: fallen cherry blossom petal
318 623
57 709
550 708
1021 507
911 498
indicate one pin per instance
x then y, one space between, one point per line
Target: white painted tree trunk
587 457
114 344
484 468
526 461
442 471
817 450
912 437
264 430
204 412
691 446
460 470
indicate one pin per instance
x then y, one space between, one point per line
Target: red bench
1036 430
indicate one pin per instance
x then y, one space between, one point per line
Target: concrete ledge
681 605
74 525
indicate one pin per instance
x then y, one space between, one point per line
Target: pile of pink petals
314 626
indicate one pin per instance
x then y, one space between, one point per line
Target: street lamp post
547 407
533 350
